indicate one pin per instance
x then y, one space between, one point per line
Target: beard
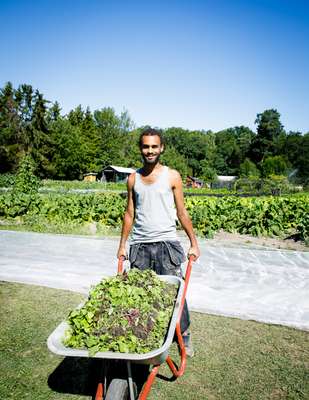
155 159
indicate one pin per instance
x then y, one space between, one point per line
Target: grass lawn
234 359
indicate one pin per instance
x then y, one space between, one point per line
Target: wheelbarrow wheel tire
118 389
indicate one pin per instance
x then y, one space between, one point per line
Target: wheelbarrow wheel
118 389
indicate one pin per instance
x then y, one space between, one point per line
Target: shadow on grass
166 378
80 376
76 375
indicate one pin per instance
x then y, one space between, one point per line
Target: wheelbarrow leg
146 388
182 351
99 392
177 372
101 388
132 391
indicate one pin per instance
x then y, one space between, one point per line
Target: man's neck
149 168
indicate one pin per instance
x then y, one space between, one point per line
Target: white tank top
155 213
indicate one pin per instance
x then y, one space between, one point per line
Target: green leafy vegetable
129 313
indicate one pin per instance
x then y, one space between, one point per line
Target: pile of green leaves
129 313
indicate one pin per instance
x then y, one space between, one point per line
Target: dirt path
236 238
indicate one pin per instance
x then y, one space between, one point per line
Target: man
153 193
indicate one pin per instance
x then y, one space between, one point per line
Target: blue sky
193 64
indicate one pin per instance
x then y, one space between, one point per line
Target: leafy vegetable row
252 215
269 216
107 209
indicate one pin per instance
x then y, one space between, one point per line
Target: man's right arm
128 218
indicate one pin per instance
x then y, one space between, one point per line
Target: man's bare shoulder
174 176
131 181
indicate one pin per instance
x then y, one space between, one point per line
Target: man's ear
162 148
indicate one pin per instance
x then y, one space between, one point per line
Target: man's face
151 149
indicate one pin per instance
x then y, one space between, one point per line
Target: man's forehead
151 140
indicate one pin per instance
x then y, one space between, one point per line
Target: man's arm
128 218
182 213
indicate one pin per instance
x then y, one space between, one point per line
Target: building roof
226 178
120 169
195 179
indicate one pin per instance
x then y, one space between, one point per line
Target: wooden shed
90 177
113 173
192 182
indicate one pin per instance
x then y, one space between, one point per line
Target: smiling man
155 197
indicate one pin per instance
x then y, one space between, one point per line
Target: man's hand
194 251
122 253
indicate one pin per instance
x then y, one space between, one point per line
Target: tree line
81 141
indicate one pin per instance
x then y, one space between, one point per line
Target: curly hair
151 132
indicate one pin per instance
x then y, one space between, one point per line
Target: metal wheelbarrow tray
154 357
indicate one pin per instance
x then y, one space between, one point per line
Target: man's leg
172 258
165 258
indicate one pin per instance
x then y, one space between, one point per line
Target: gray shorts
165 258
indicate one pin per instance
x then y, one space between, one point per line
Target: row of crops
242 186
270 216
267 216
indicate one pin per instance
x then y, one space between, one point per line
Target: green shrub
7 180
26 181
274 165
248 169
273 185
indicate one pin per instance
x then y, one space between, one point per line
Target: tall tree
269 132
9 128
91 142
76 116
228 153
68 159
302 162
173 159
194 146
112 131
293 147
23 125
208 173
54 112
244 137
40 147
248 168
130 149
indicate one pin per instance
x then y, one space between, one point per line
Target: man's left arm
182 213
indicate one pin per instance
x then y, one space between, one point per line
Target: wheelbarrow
123 389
